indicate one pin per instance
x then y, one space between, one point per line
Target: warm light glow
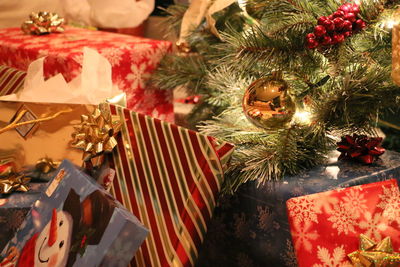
389 24
303 117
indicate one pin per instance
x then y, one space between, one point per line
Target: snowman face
54 253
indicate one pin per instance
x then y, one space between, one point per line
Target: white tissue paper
93 86
108 13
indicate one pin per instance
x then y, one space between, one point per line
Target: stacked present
251 228
166 177
133 60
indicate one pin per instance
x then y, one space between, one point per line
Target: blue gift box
76 223
14 208
251 227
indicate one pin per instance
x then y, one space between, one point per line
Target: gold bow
371 254
45 165
43 23
13 183
96 133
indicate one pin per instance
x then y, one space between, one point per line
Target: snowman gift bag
75 223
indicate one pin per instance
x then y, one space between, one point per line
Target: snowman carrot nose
53 229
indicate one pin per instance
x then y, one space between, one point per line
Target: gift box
133 59
326 226
75 223
169 177
52 139
14 208
11 80
251 228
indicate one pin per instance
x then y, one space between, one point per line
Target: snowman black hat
90 220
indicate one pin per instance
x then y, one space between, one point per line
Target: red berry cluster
334 28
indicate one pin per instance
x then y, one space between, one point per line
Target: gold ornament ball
266 103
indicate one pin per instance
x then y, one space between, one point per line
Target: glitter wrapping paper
326 226
133 60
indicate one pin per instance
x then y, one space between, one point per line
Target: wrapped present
28 144
14 208
75 223
11 80
326 226
133 60
169 177
251 227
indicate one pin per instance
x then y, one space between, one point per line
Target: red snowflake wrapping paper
133 60
325 227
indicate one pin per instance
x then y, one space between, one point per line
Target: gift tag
56 181
26 129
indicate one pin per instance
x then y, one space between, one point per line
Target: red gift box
169 177
326 227
133 60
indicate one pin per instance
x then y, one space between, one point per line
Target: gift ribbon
43 23
96 133
200 9
46 165
371 254
15 123
13 183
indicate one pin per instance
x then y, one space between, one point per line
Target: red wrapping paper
325 227
133 60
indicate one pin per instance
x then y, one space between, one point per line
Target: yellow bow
43 23
371 254
96 133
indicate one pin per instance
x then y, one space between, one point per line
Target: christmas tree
281 79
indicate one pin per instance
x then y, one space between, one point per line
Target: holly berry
347 25
312 43
338 14
346 7
310 36
319 30
347 34
355 9
350 17
327 40
321 20
333 29
338 38
338 23
360 24
329 25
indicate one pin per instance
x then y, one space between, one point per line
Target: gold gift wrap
51 138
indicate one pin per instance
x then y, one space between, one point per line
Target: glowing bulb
389 24
303 117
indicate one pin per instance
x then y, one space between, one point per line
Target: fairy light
303 117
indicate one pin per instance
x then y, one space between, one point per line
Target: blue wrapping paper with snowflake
75 223
14 208
251 227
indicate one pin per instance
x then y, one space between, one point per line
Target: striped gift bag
169 177
11 80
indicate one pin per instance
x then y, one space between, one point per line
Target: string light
303 117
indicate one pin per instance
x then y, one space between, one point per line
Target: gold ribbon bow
13 183
43 23
96 133
46 165
371 254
